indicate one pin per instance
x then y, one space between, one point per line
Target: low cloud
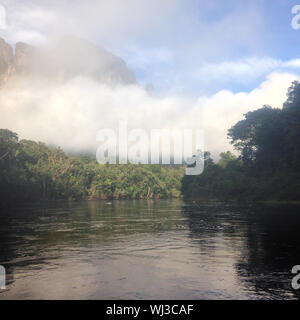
69 114
243 70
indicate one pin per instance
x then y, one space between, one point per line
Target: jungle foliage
268 168
33 171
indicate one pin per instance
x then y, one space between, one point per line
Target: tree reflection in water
264 239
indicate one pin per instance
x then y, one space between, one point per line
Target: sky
216 59
181 47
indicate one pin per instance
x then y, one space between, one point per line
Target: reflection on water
164 249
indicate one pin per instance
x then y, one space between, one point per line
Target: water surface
163 249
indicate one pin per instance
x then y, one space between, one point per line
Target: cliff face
6 55
6 58
67 58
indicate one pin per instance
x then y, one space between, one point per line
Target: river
156 249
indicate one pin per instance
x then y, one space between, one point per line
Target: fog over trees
268 141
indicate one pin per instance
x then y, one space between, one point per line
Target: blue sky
181 47
209 62
228 45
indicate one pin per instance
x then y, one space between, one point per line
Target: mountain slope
66 58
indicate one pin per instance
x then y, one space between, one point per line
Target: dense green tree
268 167
226 158
33 171
269 164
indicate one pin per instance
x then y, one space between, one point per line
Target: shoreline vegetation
32 171
267 169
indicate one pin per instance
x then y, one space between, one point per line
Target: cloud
107 21
163 41
223 109
241 72
143 58
295 63
27 22
179 46
70 114
241 69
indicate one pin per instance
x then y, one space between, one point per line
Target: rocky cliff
67 58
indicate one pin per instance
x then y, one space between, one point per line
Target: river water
162 249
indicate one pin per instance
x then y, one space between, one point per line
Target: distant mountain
67 58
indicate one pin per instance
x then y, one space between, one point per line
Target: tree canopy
33 171
268 166
268 141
